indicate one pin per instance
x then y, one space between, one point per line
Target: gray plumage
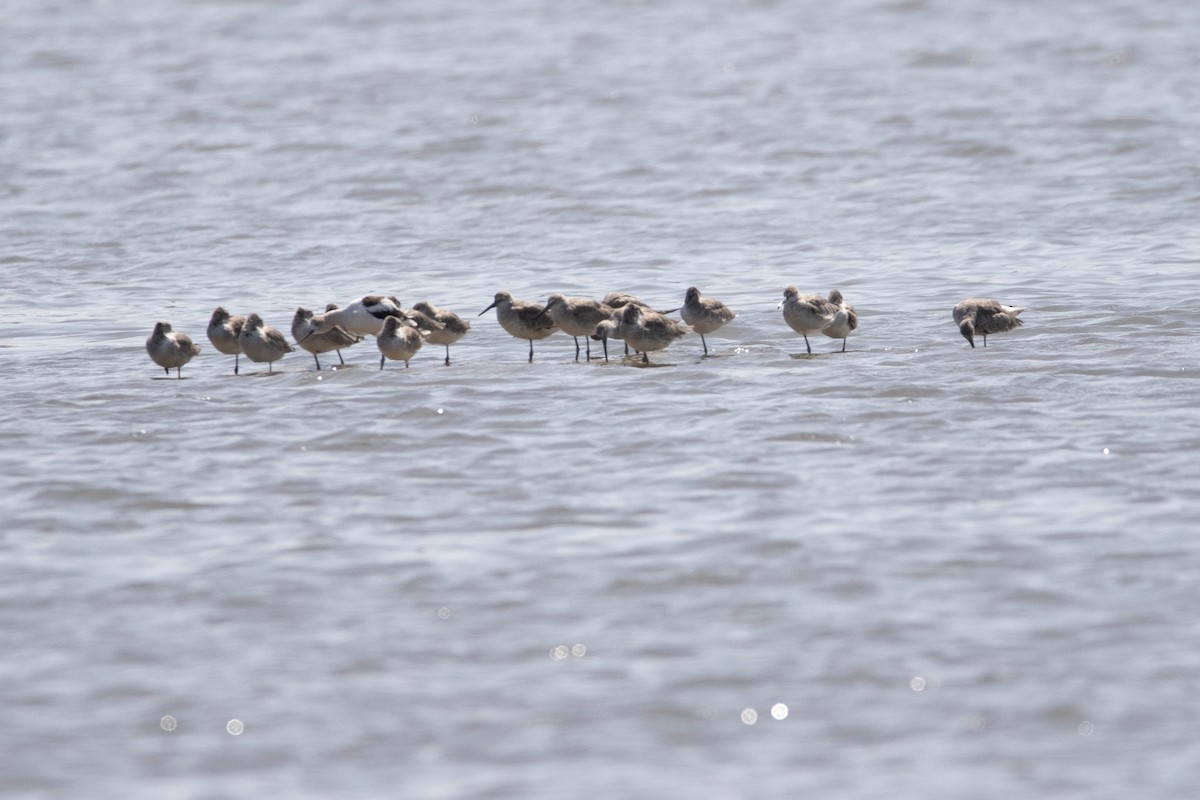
979 315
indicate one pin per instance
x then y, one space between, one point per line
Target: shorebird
609 329
261 342
333 339
398 340
648 330
521 319
806 313
577 316
704 314
844 321
169 349
223 330
422 321
617 301
976 314
621 299
363 317
454 327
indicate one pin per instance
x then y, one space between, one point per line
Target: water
963 572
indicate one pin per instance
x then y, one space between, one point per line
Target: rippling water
913 569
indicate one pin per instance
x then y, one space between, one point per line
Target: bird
577 316
425 322
609 329
806 313
704 314
522 319
398 340
976 314
261 342
621 299
844 320
223 330
647 330
363 317
170 349
618 301
333 339
454 327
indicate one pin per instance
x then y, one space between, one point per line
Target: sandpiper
454 327
648 330
170 349
976 314
333 339
261 342
704 314
223 330
844 321
577 316
398 340
521 319
806 313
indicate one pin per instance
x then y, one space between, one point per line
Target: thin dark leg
704 343
645 358
339 352
627 348
604 341
318 362
843 345
587 343
576 338
381 358
806 344
270 367
178 373
236 356
985 340
167 370
406 365
531 351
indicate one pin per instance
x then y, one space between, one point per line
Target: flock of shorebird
400 332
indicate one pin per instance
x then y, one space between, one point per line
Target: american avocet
398 340
170 349
333 339
844 321
454 327
977 315
261 342
704 314
521 319
647 330
577 316
806 313
223 330
364 316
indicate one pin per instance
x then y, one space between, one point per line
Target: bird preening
977 315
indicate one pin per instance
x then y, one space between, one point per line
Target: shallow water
963 572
